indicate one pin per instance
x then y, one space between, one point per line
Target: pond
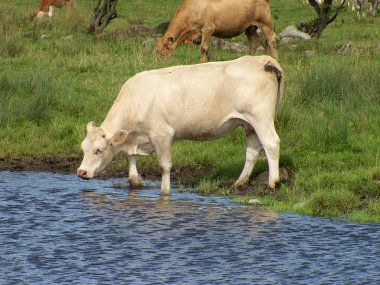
58 229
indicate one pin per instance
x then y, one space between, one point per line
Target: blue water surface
58 229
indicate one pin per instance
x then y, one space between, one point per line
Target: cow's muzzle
82 174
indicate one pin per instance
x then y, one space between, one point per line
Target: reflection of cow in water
47 7
162 207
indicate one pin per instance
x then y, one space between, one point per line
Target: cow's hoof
240 183
274 185
135 182
165 191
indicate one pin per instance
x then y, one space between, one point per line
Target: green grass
54 78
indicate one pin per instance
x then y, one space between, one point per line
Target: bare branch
102 16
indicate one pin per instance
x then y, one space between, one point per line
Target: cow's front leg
206 35
162 146
134 177
270 36
252 152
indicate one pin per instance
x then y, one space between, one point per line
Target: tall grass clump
26 98
11 48
335 202
331 102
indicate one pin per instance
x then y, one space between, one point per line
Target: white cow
195 102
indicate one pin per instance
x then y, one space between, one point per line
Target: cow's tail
273 66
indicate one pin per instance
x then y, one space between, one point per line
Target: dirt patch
44 164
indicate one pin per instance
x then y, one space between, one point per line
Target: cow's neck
114 121
178 32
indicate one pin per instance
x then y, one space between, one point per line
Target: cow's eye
103 136
98 151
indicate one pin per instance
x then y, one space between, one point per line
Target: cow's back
197 99
224 14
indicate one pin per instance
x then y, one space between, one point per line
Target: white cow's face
98 150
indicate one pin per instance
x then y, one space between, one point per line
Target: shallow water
58 229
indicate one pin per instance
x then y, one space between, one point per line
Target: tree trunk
326 14
102 15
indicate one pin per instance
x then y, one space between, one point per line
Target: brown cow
197 20
51 4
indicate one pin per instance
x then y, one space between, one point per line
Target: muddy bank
187 175
118 168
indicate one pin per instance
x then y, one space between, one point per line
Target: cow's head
165 46
99 150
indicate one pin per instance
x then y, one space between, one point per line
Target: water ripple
57 229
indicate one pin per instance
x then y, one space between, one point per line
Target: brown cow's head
165 46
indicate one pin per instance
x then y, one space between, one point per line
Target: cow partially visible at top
197 20
47 7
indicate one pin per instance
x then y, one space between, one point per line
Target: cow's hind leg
253 38
271 144
253 149
134 177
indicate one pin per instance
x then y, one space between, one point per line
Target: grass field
54 78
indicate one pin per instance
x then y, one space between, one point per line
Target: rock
377 49
292 31
263 176
311 52
348 47
68 38
149 41
238 47
293 47
255 202
299 205
261 49
286 40
136 30
225 45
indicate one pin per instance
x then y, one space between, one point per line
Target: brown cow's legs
51 10
270 35
253 38
206 35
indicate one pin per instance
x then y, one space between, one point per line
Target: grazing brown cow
50 5
197 20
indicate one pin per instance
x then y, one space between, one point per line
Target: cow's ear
119 137
90 127
170 40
